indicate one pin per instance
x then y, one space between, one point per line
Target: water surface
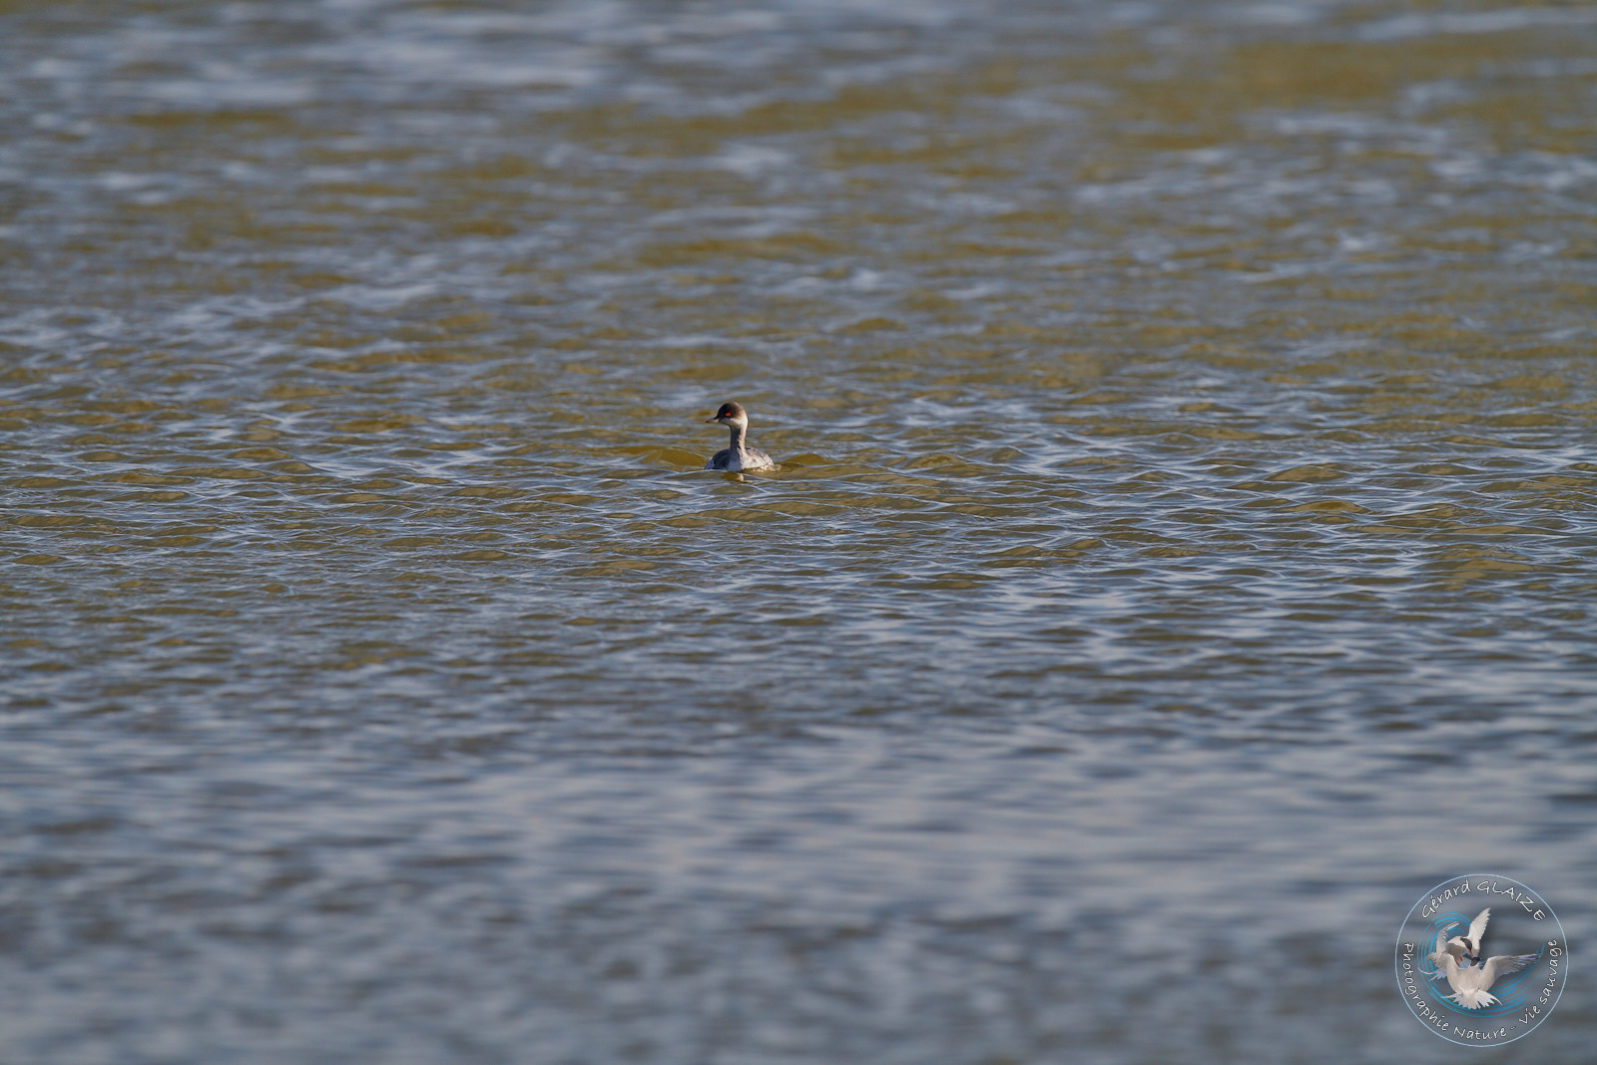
1181 558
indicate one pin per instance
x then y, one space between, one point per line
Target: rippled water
1182 553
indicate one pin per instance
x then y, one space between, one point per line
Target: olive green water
1182 554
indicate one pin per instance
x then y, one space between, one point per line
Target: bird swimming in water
739 456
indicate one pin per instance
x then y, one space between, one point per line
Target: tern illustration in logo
1472 985
1471 942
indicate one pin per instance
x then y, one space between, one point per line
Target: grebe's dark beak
717 418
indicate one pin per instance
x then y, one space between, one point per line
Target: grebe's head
731 414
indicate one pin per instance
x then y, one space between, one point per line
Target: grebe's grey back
738 456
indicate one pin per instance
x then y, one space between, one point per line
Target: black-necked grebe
739 456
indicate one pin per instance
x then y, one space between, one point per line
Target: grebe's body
738 456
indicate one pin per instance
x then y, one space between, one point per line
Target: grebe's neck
739 435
